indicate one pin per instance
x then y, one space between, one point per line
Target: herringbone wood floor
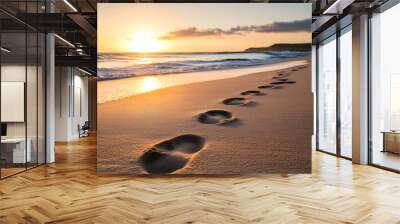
69 191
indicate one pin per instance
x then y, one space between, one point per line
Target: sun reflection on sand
150 83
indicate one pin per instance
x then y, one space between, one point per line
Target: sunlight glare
145 42
150 83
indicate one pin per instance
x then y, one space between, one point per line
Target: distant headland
281 47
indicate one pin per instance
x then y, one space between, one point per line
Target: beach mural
209 89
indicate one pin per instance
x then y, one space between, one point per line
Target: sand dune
140 134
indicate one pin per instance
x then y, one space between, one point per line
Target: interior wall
62 81
16 73
71 102
92 109
80 102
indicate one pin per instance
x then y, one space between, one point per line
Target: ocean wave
119 66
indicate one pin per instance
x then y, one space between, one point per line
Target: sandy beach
120 88
270 133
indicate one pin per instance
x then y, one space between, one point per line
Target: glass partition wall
345 91
13 89
326 107
22 97
385 89
334 94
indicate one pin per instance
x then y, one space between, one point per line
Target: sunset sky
150 27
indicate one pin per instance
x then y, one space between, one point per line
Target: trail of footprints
175 153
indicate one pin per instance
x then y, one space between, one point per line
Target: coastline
260 141
116 89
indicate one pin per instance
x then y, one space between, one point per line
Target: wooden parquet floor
69 191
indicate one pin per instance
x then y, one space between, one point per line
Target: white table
19 153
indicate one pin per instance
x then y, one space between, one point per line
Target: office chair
84 130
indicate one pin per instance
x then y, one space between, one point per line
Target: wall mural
204 88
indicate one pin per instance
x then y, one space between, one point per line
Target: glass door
385 89
345 92
326 100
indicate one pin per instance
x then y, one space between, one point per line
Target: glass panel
23 90
314 88
31 98
346 93
41 98
385 95
327 96
13 88
32 83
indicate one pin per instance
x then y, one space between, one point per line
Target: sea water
124 65
124 75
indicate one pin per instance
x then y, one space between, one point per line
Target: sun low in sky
214 27
145 42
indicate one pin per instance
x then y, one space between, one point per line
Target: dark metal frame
316 97
338 98
369 113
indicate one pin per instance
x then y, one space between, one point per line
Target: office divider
22 87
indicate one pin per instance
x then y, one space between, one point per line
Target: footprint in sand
240 101
219 117
280 77
171 155
252 93
266 87
278 83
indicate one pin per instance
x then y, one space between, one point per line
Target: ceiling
75 21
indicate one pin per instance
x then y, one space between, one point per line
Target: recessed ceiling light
64 40
5 50
337 7
70 5
86 72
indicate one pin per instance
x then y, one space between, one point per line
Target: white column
50 92
360 89
50 98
